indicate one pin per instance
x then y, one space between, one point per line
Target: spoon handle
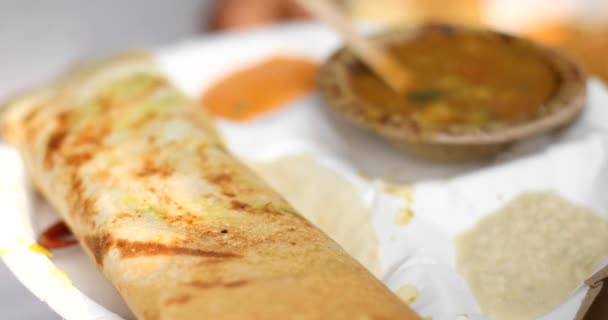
386 66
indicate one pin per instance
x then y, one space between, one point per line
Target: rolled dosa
178 226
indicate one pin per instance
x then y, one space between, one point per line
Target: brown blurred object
587 44
241 14
399 13
599 308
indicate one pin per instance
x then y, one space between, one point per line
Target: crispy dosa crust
180 228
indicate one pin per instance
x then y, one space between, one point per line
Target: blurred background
38 39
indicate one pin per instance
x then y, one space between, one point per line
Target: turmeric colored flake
60 275
408 293
403 216
40 249
261 88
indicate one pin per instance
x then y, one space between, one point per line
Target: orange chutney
461 79
261 88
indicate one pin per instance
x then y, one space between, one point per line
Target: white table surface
40 38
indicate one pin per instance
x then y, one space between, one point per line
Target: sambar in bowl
472 92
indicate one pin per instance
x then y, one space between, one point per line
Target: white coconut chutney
526 259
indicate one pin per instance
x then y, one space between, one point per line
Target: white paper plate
82 292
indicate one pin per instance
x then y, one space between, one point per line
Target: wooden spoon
379 60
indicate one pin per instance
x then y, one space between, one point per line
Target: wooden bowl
459 143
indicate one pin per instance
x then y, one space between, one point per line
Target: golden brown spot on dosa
225 182
88 208
220 179
78 159
56 139
161 195
210 261
99 246
53 145
214 284
186 218
124 215
77 185
150 168
268 208
131 249
238 205
91 136
264 209
180 299
229 194
84 145
150 315
80 148
181 215
81 205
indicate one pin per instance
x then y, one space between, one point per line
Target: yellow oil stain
60 275
427 318
34 247
405 193
408 293
3 251
403 216
391 189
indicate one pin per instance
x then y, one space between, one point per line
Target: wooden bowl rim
562 108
